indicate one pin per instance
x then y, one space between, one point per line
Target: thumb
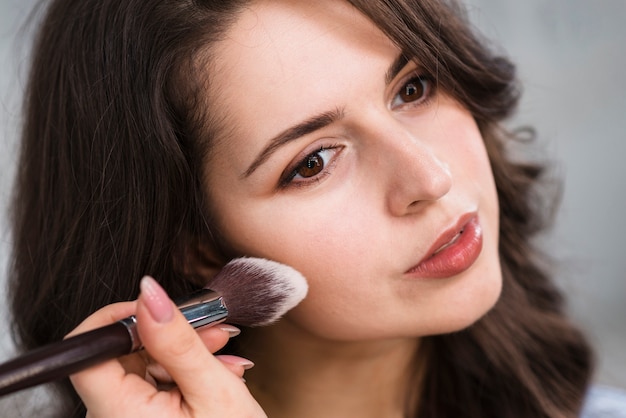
176 346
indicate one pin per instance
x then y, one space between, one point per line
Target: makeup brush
247 291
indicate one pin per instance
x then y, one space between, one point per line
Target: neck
298 374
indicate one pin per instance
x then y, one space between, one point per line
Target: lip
454 251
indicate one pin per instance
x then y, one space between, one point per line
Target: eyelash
288 179
426 83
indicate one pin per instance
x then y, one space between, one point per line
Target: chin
473 308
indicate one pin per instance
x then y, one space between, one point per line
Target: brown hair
108 189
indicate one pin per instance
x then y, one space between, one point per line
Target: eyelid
416 72
287 177
410 67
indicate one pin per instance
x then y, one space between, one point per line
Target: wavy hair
108 190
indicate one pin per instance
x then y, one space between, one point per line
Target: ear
201 259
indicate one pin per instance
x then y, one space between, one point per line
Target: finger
237 365
157 376
216 337
105 316
213 338
176 346
88 383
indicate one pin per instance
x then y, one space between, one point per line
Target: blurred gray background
571 56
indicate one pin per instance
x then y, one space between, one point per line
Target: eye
311 168
415 91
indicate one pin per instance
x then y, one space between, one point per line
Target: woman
357 142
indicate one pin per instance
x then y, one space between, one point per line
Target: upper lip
447 235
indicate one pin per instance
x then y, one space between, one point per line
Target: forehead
286 24
303 45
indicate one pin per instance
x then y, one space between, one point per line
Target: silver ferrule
204 307
201 308
131 325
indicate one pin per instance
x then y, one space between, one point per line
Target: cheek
470 165
469 155
314 236
336 243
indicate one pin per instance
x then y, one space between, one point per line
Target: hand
204 385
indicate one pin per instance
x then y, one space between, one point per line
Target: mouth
448 244
453 252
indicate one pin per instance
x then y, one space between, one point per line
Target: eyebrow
396 66
304 128
315 123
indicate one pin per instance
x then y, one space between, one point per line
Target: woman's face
345 162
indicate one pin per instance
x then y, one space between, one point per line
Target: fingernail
232 331
238 361
156 300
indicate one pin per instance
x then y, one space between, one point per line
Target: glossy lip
453 252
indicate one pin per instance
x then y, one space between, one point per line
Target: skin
395 176
392 175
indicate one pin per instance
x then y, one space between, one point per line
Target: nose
415 171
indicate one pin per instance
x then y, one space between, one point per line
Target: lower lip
455 258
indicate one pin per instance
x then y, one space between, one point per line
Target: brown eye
311 166
311 169
414 90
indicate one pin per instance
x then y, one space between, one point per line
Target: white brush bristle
257 291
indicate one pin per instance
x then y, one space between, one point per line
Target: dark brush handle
72 355
65 357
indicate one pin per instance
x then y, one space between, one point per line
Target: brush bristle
257 291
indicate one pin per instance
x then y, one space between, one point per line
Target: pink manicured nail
156 300
230 329
237 361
